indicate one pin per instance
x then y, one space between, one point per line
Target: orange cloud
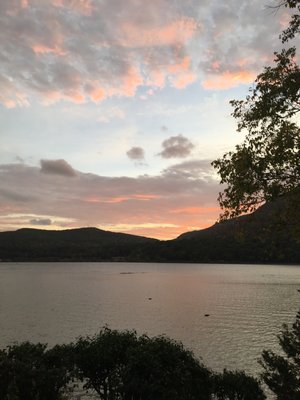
178 31
228 79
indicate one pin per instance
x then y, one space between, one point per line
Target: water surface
247 304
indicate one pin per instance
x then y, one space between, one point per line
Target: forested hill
82 244
269 235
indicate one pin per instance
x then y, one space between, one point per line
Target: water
247 304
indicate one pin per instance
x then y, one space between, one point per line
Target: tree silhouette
267 164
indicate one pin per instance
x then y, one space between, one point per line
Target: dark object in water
206 315
298 290
149 298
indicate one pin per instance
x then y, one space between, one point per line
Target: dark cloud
182 196
15 196
176 147
136 154
57 167
41 221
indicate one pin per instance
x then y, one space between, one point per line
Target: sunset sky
112 110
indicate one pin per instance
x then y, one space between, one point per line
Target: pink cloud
129 82
156 78
180 81
182 76
179 31
228 79
95 92
43 49
195 210
121 199
75 96
81 6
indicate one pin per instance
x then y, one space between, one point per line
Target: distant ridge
269 235
80 244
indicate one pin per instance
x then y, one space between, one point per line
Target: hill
269 235
84 244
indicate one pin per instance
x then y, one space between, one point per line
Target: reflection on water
57 302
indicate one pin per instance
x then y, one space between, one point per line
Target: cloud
14 196
15 220
193 169
43 222
176 147
57 167
94 200
136 154
88 50
227 79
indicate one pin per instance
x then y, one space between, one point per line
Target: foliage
162 369
118 365
294 26
282 372
267 164
30 371
236 385
101 360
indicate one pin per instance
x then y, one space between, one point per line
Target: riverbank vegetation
121 365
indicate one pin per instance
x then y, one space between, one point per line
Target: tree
267 164
120 365
29 371
282 372
162 369
101 361
294 26
236 385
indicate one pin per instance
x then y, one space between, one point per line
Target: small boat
206 315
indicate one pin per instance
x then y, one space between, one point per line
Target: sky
111 111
